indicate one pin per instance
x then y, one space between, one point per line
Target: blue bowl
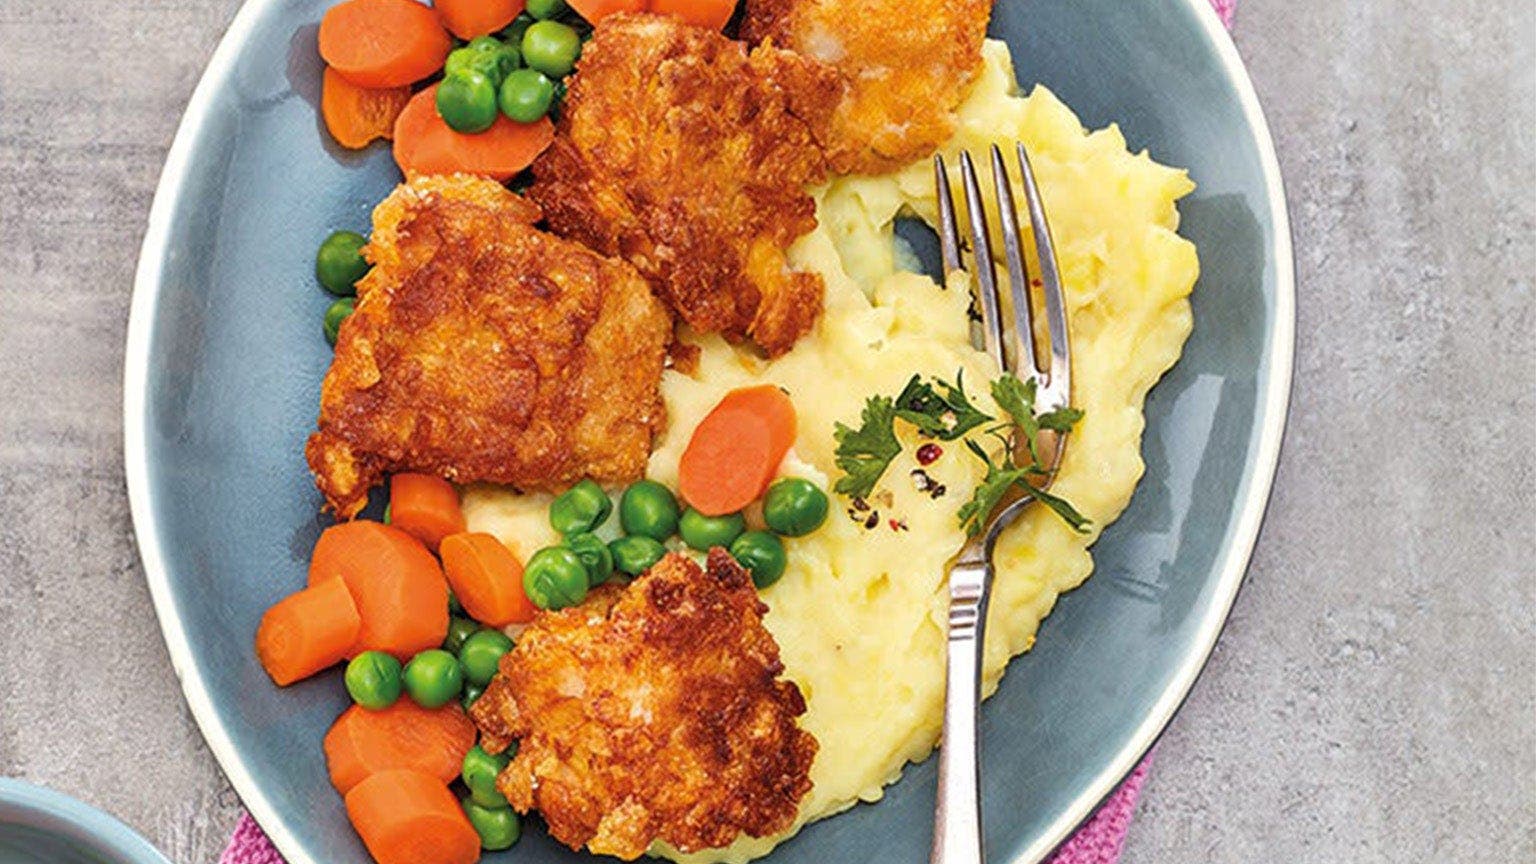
224 363
40 826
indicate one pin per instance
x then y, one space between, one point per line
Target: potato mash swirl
859 614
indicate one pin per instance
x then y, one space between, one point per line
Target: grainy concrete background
1374 698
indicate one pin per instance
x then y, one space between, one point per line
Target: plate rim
64 816
1232 568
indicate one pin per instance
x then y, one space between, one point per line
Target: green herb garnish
863 454
939 409
944 411
996 485
1018 399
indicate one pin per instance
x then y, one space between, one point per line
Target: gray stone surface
1374 699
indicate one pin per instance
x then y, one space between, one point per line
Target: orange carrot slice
356 116
467 19
596 10
709 14
307 631
404 735
425 507
383 43
487 578
424 144
407 817
398 587
735 451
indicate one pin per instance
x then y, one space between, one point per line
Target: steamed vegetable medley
421 608
727 474
460 86
463 85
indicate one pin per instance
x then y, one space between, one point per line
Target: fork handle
957 812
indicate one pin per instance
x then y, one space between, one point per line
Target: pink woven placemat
1098 842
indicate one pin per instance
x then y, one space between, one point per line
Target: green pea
471 693
555 578
337 313
551 48
526 95
705 532
479 774
594 555
794 507
466 100
339 263
648 509
512 34
761 553
543 10
634 554
459 630
498 827
487 55
373 680
433 678
582 507
481 655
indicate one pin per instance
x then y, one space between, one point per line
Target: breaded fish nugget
652 712
689 157
485 349
906 65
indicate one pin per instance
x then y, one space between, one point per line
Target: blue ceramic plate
225 359
40 826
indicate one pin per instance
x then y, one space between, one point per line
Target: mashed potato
859 614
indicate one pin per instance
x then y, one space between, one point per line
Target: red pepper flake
1037 283
899 525
929 453
873 520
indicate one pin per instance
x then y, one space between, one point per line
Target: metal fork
957 813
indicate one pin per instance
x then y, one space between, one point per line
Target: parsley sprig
864 453
945 411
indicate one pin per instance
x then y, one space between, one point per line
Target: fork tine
1024 361
981 253
1057 392
949 229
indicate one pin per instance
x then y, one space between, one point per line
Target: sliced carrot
737 448
356 116
425 507
424 144
467 19
596 10
404 735
398 587
307 631
383 43
709 14
487 578
407 817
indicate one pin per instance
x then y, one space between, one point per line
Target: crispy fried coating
484 349
689 157
652 712
906 64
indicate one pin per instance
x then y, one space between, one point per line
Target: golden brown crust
906 65
484 349
689 157
652 712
